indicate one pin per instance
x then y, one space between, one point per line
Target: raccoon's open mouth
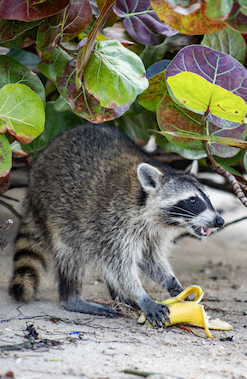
202 232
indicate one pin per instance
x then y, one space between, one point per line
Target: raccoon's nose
218 222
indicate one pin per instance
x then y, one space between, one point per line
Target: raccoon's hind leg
70 299
28 265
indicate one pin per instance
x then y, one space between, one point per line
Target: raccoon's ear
149 176
192 168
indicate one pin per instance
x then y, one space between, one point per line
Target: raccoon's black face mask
181 199
198 213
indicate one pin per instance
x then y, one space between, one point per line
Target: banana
190 312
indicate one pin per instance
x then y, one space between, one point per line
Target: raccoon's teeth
206 231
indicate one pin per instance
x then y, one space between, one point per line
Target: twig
3 240
9 207
10 198
6 225
236 185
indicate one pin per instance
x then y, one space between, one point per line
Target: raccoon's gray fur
95 198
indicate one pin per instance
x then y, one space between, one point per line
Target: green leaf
21 112
186 153
137 125
5 156
114 75
14 72
151 97
245 161
227 166
52 67
56 122
229 41
197 94
85 51
81 102
218 9
16 34
172 117
237 18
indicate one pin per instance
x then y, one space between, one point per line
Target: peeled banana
190 312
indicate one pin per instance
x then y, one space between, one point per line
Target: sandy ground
73 345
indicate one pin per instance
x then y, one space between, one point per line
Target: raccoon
95 198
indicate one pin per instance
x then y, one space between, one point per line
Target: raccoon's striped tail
28 266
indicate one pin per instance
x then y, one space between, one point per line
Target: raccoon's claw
157 314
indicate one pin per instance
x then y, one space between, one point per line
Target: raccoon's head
178 199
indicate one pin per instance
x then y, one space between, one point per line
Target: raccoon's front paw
155 313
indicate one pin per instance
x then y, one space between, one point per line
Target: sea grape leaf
227 164
21 112
152 96
114 75
152 54
184 7
182 128
55 123
141 21
16 34
85 50
200 96
243 5
23 11
137 125
217 68
78 18
173 118
53 66
228 41
222 150
218 9
157 67
162 141
14 72
237 19
81 102
48 35
196 23
245 161
5 156
25 57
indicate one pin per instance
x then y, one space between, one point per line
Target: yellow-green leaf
197 94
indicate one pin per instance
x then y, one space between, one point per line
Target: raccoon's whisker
180 214
185 210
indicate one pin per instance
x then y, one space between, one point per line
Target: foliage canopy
174 68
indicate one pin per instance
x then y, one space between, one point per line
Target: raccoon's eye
192 200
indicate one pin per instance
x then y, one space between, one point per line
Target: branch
9 207
236 185
3 241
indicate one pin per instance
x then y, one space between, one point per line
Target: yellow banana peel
190 312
